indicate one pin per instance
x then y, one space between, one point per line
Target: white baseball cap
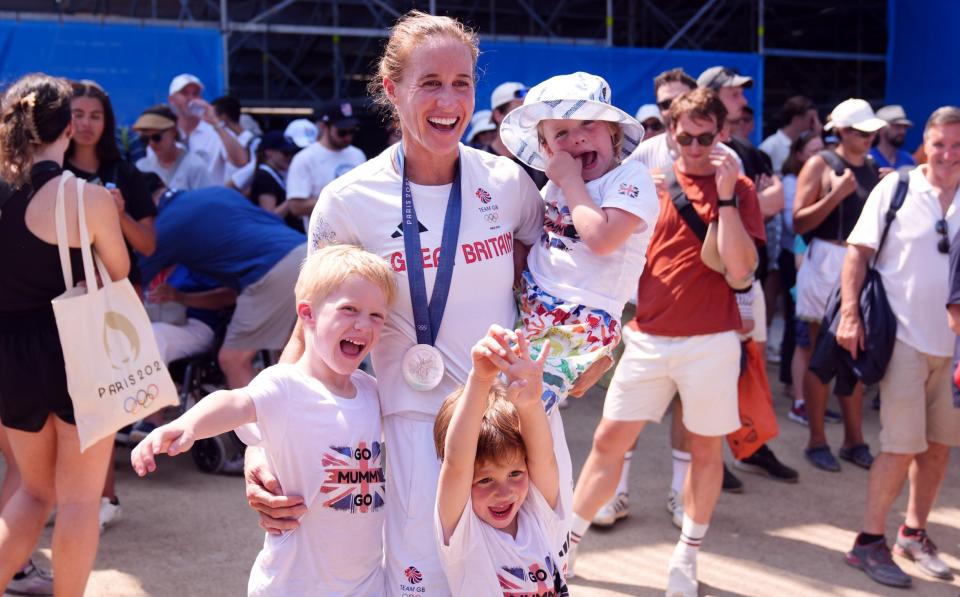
301 132
506 93
648 111
480 123
578 96
856 114
181 81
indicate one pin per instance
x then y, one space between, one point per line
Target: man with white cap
482 129
649 117
832 189
504 99
329 157
888 152
201 130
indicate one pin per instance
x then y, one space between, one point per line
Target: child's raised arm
534 427
460 445
218 413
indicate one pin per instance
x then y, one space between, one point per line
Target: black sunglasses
653 125
346 132
943 245
664 105
154 137
863 134
704 139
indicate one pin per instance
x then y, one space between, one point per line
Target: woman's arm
105 232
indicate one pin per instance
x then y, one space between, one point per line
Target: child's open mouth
443 124
351 348
588 159
501 513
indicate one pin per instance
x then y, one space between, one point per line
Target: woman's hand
278 512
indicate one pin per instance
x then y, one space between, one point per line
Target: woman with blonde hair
35 408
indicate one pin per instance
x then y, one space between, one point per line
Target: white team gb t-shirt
329 449
564 266
484 561
500 206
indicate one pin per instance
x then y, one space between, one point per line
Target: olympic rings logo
144 397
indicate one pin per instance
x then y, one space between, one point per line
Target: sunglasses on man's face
863 134
703 139
664 105
653 125
943 245
155 137
344 133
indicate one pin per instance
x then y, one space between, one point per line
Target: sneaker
773 354
110 513
923 551
140 430
731 484
764 462
234 466
682 580
875 559
31 581
822 458
612 511
859 454
571 559
798 414
832 417
675 508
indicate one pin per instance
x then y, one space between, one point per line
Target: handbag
115 375
879 321
758 419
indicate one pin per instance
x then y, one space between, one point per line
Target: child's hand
525 374
561 167
490 352
170 439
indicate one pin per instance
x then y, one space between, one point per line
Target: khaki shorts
916 402
703 369
817 278
266 310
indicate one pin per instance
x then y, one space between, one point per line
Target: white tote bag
114 372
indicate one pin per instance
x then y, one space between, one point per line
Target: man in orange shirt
684 335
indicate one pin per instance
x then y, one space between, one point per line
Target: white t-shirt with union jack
328 449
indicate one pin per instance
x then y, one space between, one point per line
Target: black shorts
33 380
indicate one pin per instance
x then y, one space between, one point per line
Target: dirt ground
187 533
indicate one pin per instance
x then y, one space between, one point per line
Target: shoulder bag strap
832 160
895 204
90 260
683 205
63 240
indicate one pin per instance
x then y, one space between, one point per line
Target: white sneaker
675 508
110 514
682 580
571 558
614 510
32 581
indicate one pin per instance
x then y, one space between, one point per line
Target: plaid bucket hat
578 96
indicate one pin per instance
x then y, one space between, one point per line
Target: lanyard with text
427 317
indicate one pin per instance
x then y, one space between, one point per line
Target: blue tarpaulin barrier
629 71
133 64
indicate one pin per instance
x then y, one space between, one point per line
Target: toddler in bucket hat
600 211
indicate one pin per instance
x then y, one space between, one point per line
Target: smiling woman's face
434 100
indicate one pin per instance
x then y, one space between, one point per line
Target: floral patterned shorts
579 336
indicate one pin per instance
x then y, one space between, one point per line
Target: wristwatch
732 202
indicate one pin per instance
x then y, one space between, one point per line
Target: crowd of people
486 262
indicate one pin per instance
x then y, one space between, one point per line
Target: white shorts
410 544
703 369
181 341
565 467
759 332
817 278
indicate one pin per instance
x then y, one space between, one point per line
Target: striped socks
691 537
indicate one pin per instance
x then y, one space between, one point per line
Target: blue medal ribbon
428 316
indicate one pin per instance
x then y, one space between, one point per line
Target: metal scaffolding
294 52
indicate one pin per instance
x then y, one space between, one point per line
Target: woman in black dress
35 408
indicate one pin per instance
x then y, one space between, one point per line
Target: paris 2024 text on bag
114 372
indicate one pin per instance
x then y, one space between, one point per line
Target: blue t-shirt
903 159
185 280
218 233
